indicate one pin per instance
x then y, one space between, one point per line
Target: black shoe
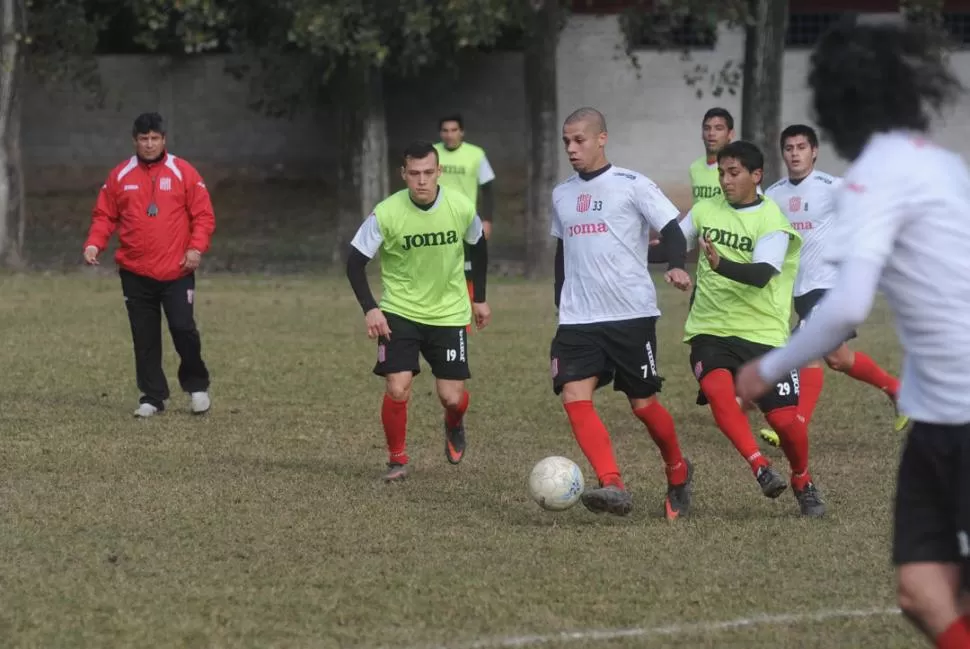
810 501
772 484
610 499
677 503
455 443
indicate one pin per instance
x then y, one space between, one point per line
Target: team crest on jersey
165 184
795 204
583 202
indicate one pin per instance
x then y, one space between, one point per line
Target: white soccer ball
556 483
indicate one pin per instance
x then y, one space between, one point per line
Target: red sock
793 434
453 416
394 416
718 387
810 380
956 636
660 425
868 371
594 440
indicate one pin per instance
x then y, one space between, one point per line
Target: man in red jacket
162 211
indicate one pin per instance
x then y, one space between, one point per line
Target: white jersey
809 205
901 226
604 224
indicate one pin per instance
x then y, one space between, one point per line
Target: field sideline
264 524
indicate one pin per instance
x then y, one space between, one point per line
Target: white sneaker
146 410
200 403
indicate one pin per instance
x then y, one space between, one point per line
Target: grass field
265 524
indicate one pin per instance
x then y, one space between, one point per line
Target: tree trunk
8 78
764 51
543 122
362 175
18 193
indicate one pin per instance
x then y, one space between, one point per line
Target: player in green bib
420 234
465 168
741 309
717 131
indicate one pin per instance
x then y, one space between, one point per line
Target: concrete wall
654 119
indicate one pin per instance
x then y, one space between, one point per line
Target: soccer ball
556 483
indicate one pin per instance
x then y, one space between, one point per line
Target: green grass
264 524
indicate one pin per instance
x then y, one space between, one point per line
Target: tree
544 24
763 71
758 75
12 16
338 54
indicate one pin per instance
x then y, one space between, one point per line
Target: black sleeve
479 259
488 202
560 272
675 245
751 274
658 254
357 274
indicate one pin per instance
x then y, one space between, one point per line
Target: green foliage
59 38
180 26
660 21
397 37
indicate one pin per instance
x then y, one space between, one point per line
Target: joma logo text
430 239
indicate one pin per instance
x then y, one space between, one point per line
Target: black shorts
624 350
932 518
805 306
709 353
444 348
468 261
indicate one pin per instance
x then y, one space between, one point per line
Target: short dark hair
873 78
418 150
723 113
454 117
799 129
587 114
148 123
747 153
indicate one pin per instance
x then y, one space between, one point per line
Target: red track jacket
153 246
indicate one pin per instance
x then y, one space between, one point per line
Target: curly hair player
901 227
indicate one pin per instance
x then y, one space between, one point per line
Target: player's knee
450 400
398 390
578 390
908 600
639 404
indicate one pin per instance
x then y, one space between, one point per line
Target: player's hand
192 259
679 277
654 242
487 229
91 256
377 324
749 385
713 259
482 313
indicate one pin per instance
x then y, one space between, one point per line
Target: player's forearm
487 209
560 272
479 259
357 274
675 245
757 275
842 309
